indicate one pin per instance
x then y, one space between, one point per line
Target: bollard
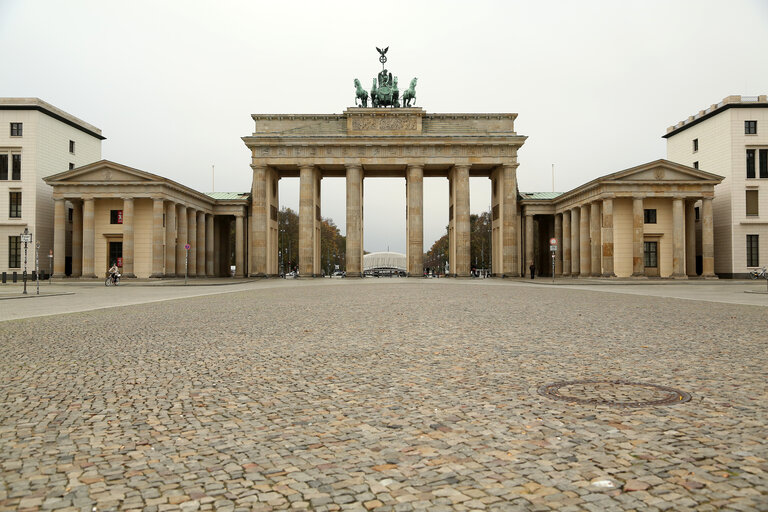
5 278
15 277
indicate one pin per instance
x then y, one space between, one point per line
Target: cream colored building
36 140
730 138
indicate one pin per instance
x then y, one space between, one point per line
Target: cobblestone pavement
402 395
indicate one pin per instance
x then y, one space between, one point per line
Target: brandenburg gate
384 142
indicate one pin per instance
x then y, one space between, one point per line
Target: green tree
333 246
480 227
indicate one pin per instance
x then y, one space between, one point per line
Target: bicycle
759 273
112 280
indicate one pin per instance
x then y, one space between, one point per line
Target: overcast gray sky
172 84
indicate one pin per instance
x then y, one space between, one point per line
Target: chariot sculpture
384 91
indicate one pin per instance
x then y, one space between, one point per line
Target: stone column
89 234
566 243
638 234
59 237
594 235
77 238
690 238
678 239
209 245
528 241
307 214
181 240
259 221
461 182
239 245
607 237
707 239
127 237
414 182
559 237
585 251
575 242
200 270
170 239
354 221
192 240
158 235
510 265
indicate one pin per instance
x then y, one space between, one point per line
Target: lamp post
37 266
26 237
50 266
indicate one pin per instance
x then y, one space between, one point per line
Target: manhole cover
616 393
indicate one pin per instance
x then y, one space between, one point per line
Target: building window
651 254
14 251
3 167
753 252
752 203
71 166
115 216
16 129
649 216
750 163
763 163
72 146
695 145
696 213
163 220
750 127
16 167
696 164
15 202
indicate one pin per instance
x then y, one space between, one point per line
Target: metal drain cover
616 393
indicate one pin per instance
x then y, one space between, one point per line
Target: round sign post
553 250
187 247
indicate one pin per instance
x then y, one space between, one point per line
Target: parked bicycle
758 273
113 279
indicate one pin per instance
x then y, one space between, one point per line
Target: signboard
120 261
187 247
119 216
553 248
26 238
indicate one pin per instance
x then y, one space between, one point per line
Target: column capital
513 165
462 166
259 166
639 197
418 165
608 196
353 166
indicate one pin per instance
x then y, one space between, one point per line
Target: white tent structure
384 261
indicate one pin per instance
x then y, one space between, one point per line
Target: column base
156 275
709 276
168 275
638 276
679 276
58 276
611 274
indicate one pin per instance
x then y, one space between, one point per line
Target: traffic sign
187 246
553 241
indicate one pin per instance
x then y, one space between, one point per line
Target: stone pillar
59 237
259 221
414 183
528 241
307 214
678 239
594 238
158 235
566 243
510 266
209 245
461 183
200 269
181 240
607 237
690 238
575 242
559 237
192 240
77 238
638 234
585 251
354 221
170 239
89 228
128 248
707 239
239 246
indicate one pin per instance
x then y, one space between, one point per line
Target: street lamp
26 237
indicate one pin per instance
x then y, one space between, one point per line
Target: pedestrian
532 268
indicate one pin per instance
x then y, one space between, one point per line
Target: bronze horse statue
360 94
410 94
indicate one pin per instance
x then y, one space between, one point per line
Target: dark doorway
115 254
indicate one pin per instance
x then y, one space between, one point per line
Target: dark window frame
4 167
16 166
753 250
115 216
71 166
696 164
750 163
649 216
72 147
750 127
17 129
763 162
696 213
651 258
695 145
14 251
14 204
755 203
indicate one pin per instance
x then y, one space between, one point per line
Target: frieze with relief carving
385 151
383 123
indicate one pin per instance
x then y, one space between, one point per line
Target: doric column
461 184
128 248
414 184
510 266
559 237
607 238
77 238
200 244
678 239
181 240
59 237
158 235
566 243
308 222
258 254
575 242
690 238
209 245
707 239
594 236
354 221
638 234
585 251
528 240
192 240
89 227
170 239
239 245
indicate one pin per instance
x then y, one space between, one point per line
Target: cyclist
113 271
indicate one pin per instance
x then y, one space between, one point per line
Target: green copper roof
227 195
540 195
